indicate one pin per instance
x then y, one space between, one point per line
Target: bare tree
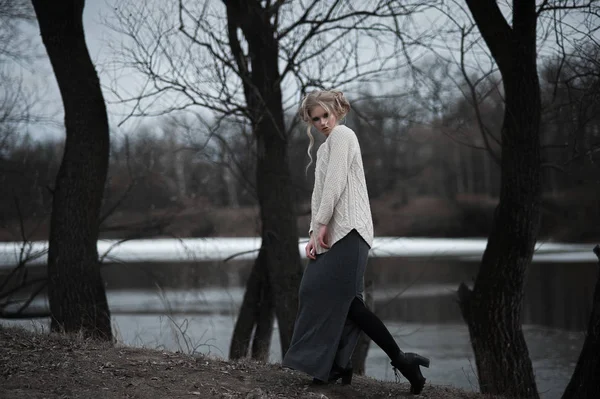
14 105
76 291
12 14
576 105
493 308
584 382
235 58
15 114
572 123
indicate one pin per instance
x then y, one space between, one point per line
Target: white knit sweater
340 199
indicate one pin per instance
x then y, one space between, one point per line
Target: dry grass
34 365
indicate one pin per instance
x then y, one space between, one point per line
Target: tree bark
584 381
493 308
75 288
255 320
262 89
263 332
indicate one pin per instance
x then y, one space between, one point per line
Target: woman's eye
326 116
315 119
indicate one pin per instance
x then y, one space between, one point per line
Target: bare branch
475 103
547 6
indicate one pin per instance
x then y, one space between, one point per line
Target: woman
331 310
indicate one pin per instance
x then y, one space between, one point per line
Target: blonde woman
331 310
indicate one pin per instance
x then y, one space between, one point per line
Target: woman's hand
323 238
311 248
311 251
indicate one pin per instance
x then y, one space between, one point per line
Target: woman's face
322 120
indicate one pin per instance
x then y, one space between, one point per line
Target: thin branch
545 6
475 103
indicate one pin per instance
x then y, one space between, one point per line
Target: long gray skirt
323 335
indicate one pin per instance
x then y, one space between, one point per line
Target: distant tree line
407 153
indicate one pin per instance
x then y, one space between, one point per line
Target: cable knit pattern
340 199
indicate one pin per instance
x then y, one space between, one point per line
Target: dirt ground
34 365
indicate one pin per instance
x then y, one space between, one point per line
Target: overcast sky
42 82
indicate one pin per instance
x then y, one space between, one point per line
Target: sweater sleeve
336 175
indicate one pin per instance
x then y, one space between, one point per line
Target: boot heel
409 366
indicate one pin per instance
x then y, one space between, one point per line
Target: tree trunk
469 172
585 382
179 165
263 332
261 82
487 174
255 320
75 288
460 177
493 308
279 231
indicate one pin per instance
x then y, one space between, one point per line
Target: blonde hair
332 101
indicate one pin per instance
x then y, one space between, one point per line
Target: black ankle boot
408 364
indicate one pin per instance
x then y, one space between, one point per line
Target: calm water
171 320
415 282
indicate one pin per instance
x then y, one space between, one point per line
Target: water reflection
421 290
195 308
557 295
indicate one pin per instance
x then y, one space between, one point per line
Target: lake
181 295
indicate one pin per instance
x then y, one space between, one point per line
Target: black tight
374 328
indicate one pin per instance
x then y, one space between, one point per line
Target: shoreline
36 365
